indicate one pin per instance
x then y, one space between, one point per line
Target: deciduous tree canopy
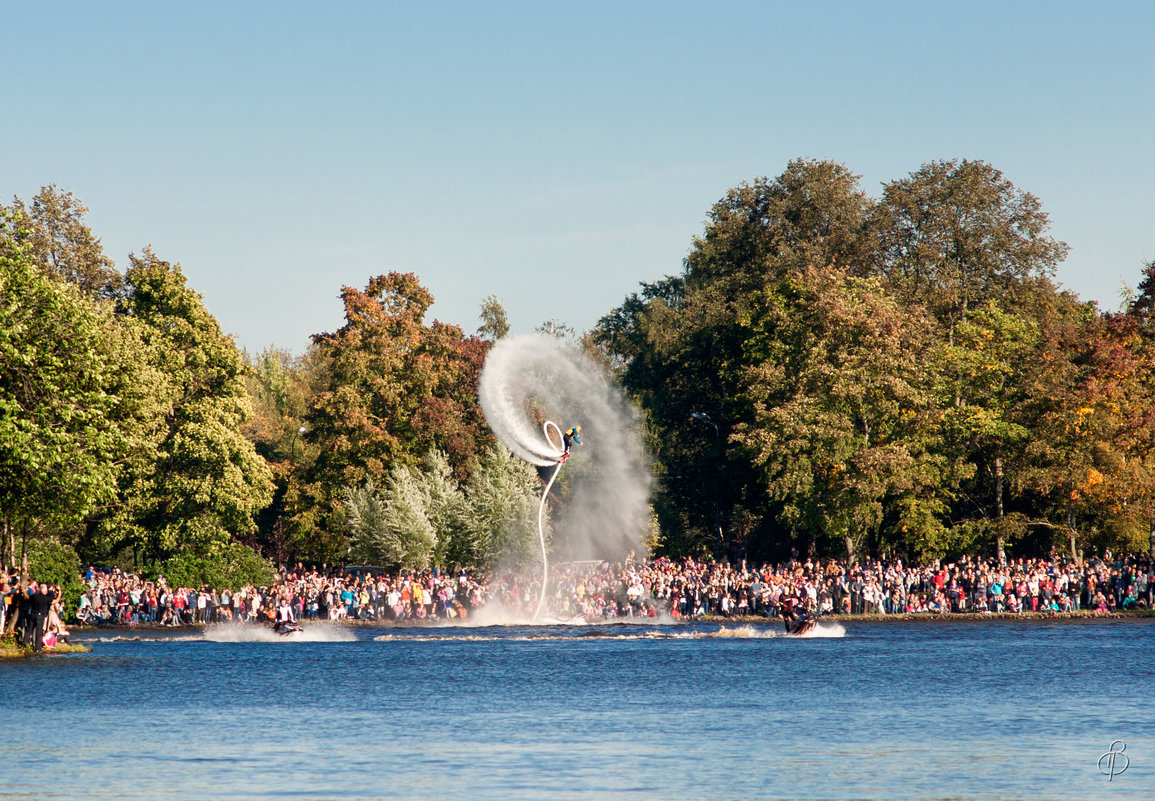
827 373
899 374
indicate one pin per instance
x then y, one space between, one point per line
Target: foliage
957 233
898 374
58 437
395 530
680 346
227 564
503 497
423 516
843 420
396 389
494 321
828 372
280 388
52 562
52 228
206 480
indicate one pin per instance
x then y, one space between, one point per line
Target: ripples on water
879 711
624 632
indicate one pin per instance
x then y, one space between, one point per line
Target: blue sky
554 155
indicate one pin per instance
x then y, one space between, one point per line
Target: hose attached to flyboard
540 511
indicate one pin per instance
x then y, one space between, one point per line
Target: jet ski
795 617
803 624
286 627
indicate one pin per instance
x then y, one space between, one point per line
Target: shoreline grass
10 649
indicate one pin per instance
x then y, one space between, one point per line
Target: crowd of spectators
684 589
874 587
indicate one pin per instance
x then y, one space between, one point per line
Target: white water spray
311 632
531 381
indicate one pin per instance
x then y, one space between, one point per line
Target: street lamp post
702 417
293 444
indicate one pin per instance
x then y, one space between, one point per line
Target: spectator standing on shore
6 593
40 604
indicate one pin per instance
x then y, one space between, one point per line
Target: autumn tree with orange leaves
396 390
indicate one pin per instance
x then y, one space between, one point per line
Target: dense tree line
380 449
134 432
120 404
892 375
829 373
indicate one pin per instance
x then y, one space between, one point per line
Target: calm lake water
870 711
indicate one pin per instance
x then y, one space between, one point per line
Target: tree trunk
1001 539
1071 531
850 549
24 555
1151 539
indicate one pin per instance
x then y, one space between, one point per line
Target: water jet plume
530 382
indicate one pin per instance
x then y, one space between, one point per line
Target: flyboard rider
571 437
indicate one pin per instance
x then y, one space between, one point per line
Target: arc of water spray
525 376
546 426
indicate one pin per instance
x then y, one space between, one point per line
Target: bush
53 562
231 565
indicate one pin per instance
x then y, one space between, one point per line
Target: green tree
957 233
423 516
844 420
446 508
115 532
53 562
58 439
502 502
986 371
207 481
412 524
281 388
961 239
231 565
396 389
63 245
395 528
680 346
494 322
814 213
277 401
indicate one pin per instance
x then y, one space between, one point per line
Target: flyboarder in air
571 437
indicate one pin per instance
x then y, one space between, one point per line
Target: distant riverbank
1082 615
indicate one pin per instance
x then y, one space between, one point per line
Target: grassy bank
9 649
